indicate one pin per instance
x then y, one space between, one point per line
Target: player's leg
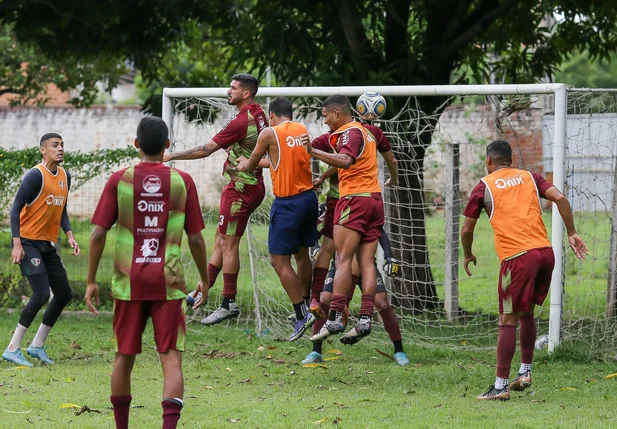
390 321
59 284
215 265
129 322
306 231
169 323
324 307
320 273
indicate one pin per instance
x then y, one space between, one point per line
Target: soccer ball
371 105
541 342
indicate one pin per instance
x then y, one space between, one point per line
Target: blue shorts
293 223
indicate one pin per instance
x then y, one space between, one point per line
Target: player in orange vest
359 215
38 212
511 198
293 217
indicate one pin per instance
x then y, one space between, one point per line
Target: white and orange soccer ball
371 106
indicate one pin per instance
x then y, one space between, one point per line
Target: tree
584 72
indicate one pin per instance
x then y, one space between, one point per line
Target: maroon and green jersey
151 205
239 137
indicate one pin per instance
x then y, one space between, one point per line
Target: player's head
280 109
52 147
336 111
152 136
498 154
242 87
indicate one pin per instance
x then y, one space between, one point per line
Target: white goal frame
559 90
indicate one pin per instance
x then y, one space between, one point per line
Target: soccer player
37 214
241 196
150 204
388 316
359 215
511 198
293 217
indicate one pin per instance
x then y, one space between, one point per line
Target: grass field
238 380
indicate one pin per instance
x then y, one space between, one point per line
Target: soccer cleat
40 354
494 394
16 357
401 358
221 314
521 382
312 357
302 325
331 327
355 334
292 316
315 309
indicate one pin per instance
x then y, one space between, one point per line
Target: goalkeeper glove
315 253
391 267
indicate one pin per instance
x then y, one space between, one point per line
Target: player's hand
74 246
391 182
243 165
18 253
318 182
201 294
578 246
391 267
167 157
468 259
306 141
315 253
92 293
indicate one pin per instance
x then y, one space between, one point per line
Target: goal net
439 136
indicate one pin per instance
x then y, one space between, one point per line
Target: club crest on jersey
61 184
151 184
35 261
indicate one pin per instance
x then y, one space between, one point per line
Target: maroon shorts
328 220
168 321
238 202
363 214
525 280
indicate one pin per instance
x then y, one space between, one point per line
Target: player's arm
563 205
197 152
467 241
28 190
98 239
65 223
264 140
338 160
327 174
392 165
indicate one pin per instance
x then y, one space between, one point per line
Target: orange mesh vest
292 174
40 220
513 202
363 176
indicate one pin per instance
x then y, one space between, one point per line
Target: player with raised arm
293 217
37 214
241 197
359 215
151 205
511 198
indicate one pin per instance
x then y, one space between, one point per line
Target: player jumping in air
511 198
359 215
241 196
151 205
293 217
38 213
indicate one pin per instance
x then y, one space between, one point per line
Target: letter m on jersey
152 221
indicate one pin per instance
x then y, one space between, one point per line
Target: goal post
450 297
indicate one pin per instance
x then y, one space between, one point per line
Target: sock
213 273
317 346
398 346
230 285
338 303
41 335
307 300
226 302
524 368
18 337
122 406
506 344
390 324
319 277
300 310
319 323
171 412
527 337
367 305
500 383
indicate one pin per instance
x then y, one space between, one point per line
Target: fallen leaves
315 365
385 354
566 389
67 405
613 375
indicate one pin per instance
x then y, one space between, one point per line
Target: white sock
500 383
180 401
41 336
524 368
18 337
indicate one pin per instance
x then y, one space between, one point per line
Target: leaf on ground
613 375
280 361
75 346
292 373
566 389
318 422
206 387
86 409
137 406
328 359
67 405
271 347
248 380
233 420
367 400
17 367
335 352
385 354
26 403
69 380
438 406
228 369
261 348
340 404
16 412
337 420
314 365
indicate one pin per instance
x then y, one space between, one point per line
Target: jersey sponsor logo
345 138
35 261
152 185
61 183
293 141
54 200
262 122
329 280
152 221
509 182
149 251
151 207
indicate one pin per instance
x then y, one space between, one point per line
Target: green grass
238 380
